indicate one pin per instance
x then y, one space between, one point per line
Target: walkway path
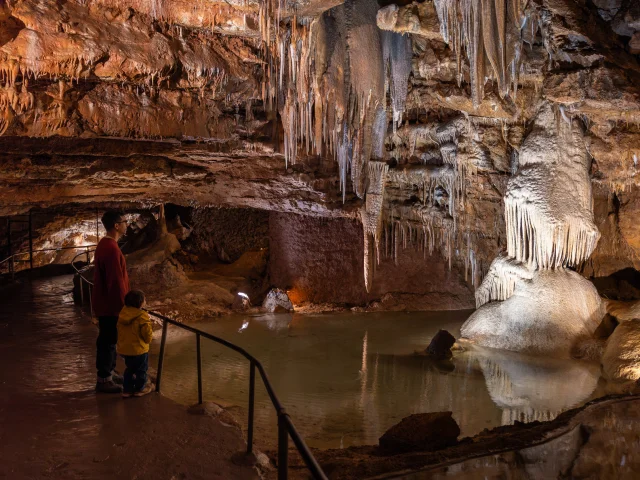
53 425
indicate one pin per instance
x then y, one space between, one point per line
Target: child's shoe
148 388
127 394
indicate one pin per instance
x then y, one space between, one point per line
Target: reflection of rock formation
276 322
544 307
529 389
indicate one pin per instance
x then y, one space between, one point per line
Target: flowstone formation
530 301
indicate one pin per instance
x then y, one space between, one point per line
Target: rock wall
320 260
229 232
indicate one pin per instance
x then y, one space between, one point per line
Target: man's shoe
108 387
117 379
148 388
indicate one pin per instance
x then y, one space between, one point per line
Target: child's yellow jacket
134 331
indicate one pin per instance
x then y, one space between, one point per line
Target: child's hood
129 314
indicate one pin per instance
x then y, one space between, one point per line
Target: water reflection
273 321
346 378
533 388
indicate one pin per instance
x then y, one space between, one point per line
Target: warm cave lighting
434 206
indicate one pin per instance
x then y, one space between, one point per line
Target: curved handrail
14 257
286 427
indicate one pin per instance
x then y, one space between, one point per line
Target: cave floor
53 425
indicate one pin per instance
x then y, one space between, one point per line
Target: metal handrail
13 258
286 428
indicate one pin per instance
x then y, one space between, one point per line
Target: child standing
134 337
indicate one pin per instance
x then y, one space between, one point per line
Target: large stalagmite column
530 301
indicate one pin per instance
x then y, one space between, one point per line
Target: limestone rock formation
544 308
277 301
621 358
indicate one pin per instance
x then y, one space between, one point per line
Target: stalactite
500 282
397 53
371 216
489 31
329 84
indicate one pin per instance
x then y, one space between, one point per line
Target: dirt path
53 425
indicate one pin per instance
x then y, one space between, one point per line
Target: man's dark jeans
106 345
135 375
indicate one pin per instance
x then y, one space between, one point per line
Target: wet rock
440 346
241 303
634 44
277 301
621 358
606 327
216 411
419 432
176 227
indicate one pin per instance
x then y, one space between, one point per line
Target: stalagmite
529 301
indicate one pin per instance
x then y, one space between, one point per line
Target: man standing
110 285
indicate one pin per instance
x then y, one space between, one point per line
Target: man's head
135 299
114 223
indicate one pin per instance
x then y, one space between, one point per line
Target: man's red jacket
110 279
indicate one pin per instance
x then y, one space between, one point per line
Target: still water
346 378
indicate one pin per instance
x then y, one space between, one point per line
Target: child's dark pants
135 375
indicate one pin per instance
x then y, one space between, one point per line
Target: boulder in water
547 314
420 432
440 346
277 301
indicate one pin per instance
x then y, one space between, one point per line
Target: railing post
161 356
283 447
81 283
252 396
13 268
87 252
199 357
90 301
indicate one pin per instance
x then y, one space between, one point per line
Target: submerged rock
277 301
440 346
421 431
